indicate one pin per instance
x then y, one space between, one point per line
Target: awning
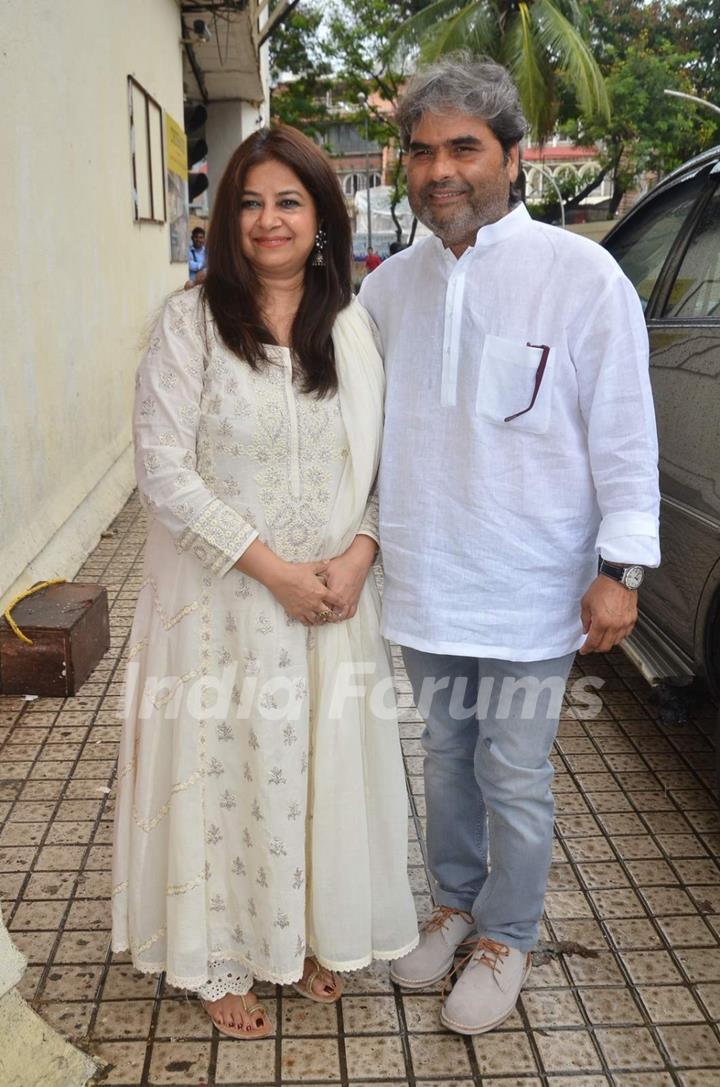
227 67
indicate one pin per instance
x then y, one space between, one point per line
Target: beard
453 226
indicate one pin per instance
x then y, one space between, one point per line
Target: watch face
632 578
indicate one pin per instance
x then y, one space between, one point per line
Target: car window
696 290
642 246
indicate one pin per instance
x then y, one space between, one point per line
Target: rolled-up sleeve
611 360
169 388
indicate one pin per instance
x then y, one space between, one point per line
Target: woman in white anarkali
261 812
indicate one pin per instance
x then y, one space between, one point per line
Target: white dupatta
359 900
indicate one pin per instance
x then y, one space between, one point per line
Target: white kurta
261 808
491 515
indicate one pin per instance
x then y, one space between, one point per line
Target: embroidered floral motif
224 732
290 735
268 701
298 879
277 848
242 589
238 867
261 878
228 801
214 835
276 776
168 379
256 813
252 664
305 434
282 920
294 810
215 768
220 532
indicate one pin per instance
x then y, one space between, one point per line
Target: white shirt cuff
631 538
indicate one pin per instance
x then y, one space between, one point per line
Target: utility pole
363 99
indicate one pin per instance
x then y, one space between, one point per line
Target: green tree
697 30
338 52
642 51
541 43
300 72
359 33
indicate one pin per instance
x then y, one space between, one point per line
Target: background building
95 212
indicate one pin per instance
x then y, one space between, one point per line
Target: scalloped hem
360 964
338 967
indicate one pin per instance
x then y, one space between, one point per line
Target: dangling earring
318 260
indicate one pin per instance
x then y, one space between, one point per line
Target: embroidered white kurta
261 807
492 516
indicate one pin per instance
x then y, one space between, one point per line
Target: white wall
80 278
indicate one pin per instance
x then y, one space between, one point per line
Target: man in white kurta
519 452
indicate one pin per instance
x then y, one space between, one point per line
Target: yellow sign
176 144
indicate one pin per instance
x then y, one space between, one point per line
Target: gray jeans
490 727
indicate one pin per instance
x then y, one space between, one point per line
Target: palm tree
536 40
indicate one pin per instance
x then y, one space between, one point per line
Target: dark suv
669 247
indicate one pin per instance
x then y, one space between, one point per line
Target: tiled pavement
634 899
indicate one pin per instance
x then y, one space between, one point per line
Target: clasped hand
302 590
325 592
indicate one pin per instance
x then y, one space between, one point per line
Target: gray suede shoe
431 960
487 990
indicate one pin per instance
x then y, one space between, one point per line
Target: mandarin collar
493 233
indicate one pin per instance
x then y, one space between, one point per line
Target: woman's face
278 221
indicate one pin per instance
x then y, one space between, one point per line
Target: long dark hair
232 290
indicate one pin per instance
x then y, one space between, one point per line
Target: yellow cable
28 592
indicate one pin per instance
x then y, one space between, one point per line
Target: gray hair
460 81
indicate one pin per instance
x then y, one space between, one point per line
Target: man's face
198 239
458 176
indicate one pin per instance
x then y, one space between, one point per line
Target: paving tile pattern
626 989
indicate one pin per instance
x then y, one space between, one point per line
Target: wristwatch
629 576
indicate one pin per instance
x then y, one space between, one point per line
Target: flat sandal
240 1032
305 988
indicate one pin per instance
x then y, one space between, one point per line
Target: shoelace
441 915
491 953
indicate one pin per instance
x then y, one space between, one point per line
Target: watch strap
611 570
630 577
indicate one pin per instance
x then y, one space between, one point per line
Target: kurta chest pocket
515 384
